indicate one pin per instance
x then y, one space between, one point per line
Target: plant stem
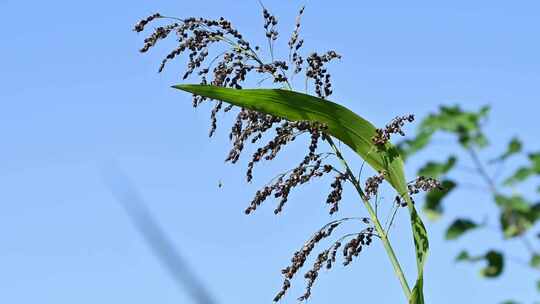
482 171
373 216
378 227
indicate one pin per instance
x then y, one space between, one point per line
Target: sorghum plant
223 60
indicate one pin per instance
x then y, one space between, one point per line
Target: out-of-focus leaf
535 162
526 171
535 212
433 204
509 302
435 169
538 285
514 147
408 147
494 259
517 215
520 175
463 256
514 223
495 264
342 124
466 125
478 139
459 227
514 202
535 261
452 119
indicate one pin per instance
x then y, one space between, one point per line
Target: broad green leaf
435 169
510 302
459 227
538 285
514 147
342 124
433 205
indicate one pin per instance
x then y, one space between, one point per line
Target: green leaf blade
343 124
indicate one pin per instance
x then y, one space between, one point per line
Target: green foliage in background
518 212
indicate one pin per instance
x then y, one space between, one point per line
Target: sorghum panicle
231 68
301 256
319 74
423 183
139 27
354 246
334 197
326 257
372 185
382 136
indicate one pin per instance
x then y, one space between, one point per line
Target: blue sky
75 94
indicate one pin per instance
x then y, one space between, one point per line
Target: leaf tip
183 87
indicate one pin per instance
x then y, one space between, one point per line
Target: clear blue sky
76 93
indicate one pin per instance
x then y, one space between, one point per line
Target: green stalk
378 227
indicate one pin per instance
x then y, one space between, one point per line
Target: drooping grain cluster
334 197
382 136
423 183
325 258
310 167
372 185
317 71
139 27
420 184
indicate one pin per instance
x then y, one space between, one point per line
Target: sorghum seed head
382 136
